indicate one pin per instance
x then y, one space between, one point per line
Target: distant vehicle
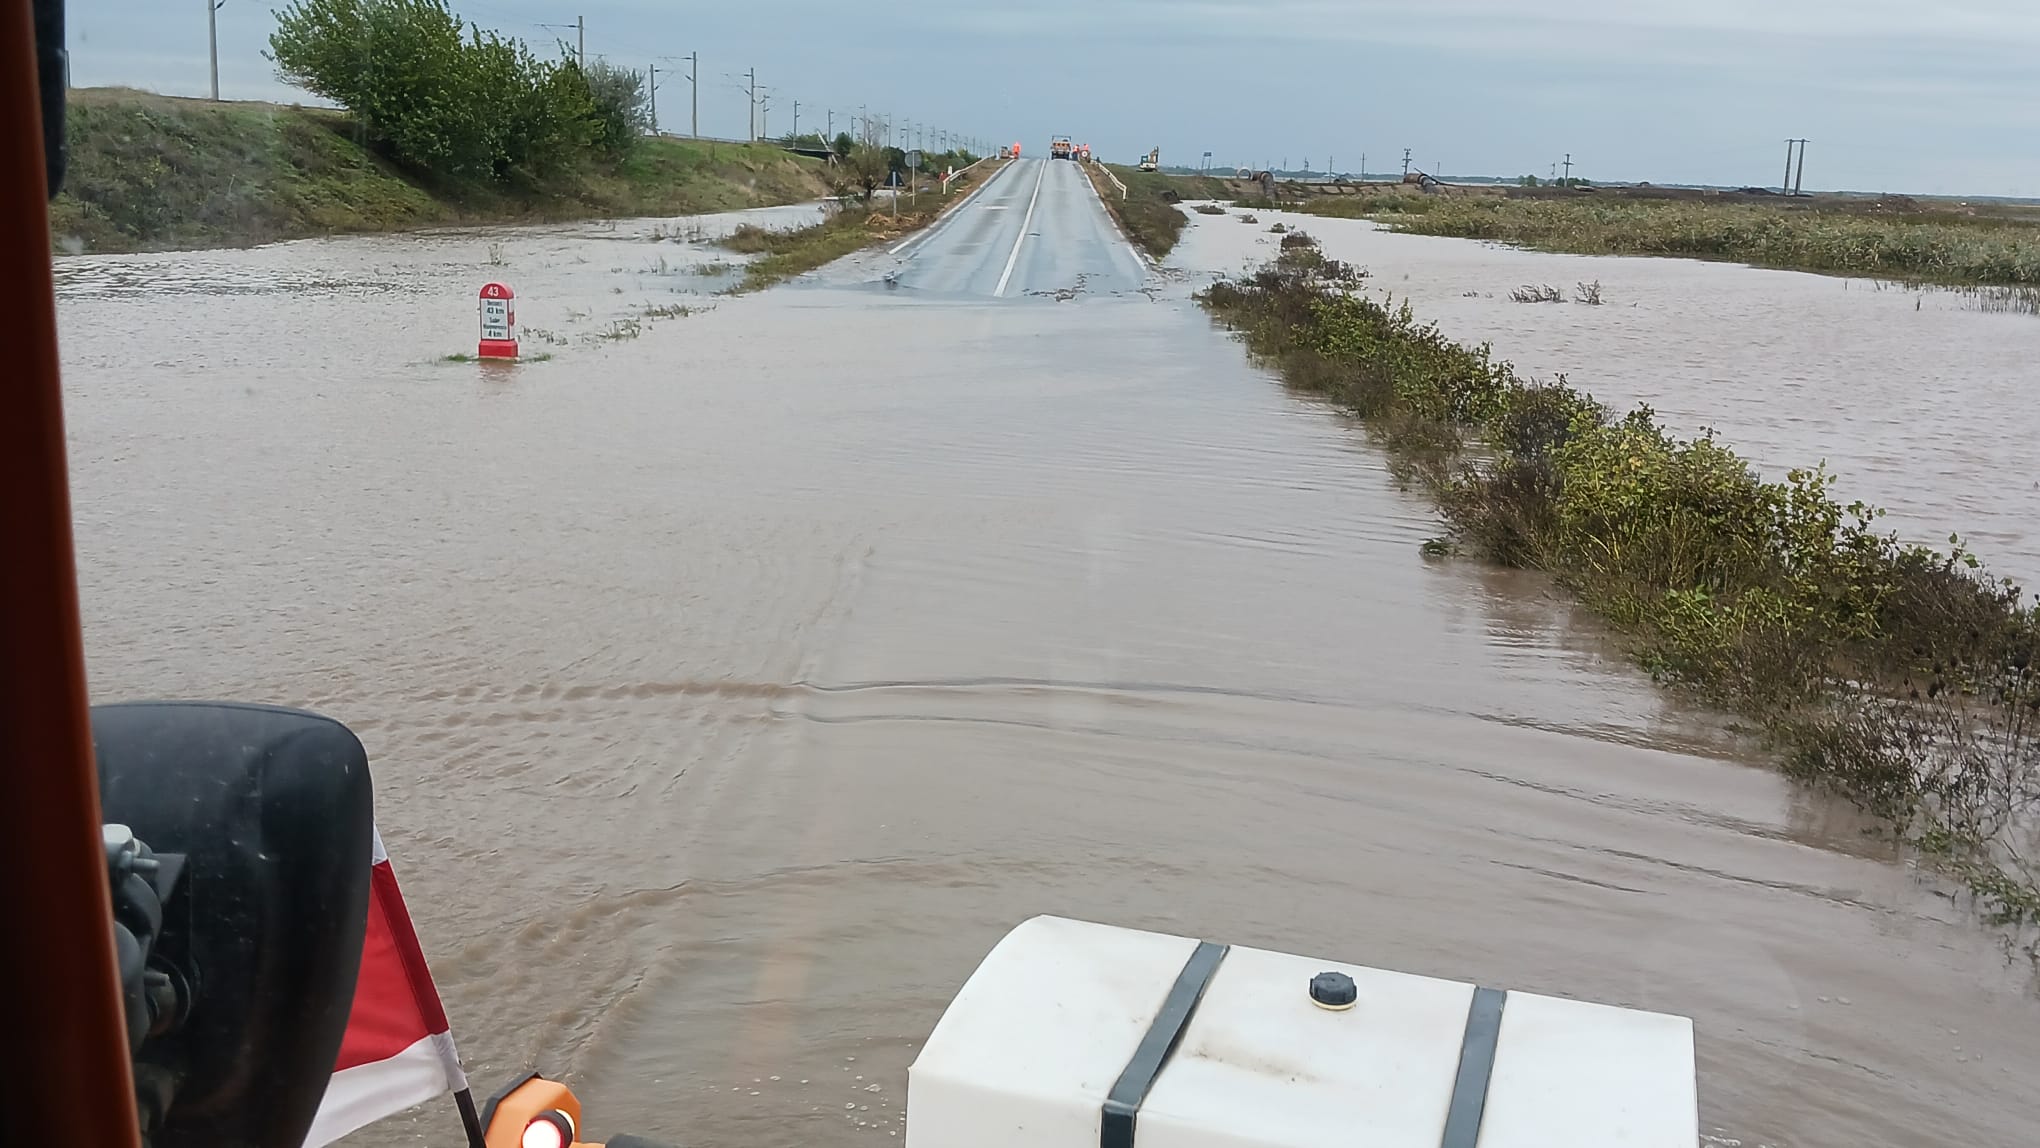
1152 161
1059 148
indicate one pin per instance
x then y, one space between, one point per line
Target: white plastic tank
1201 1046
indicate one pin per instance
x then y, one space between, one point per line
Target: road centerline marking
1007 275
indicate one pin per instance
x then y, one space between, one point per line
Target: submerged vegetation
1904 242
783 254
852 224
1901 676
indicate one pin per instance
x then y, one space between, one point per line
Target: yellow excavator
1152 161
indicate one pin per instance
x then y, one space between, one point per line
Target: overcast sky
1901 95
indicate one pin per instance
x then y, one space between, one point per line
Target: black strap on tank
1123 1103
1476 1065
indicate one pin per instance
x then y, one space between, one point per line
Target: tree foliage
438 95
623 111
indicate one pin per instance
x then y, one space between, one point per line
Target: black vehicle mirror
252 969
53 79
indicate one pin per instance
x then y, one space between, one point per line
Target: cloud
1901 95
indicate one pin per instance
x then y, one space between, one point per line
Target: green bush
623 112
1901 676
441 97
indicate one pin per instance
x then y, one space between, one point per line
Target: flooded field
1919 401
735 680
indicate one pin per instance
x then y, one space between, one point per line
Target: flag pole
469 1119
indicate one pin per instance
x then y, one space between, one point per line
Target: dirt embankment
153 172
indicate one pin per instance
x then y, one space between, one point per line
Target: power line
580 27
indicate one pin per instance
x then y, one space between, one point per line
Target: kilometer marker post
498 307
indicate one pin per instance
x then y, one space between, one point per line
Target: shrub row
1902 676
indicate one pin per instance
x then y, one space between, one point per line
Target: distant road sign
914 159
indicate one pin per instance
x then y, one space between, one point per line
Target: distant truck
1059 148
1152 161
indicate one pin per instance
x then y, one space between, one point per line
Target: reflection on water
733 687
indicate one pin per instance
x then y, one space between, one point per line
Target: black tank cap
1333 990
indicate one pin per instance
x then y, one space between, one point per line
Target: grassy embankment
1148 215
783 254
1913 241
1900 676
153 172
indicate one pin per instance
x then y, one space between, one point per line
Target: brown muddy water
734 684
1918 401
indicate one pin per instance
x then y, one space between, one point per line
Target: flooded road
735 680
1035 229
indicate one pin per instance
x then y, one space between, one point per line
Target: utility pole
694 83
212 34
652 93
1800 175
752 77
1785 185
796 121
830 135
1568 169
1405 163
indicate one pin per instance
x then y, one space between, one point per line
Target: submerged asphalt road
1037 229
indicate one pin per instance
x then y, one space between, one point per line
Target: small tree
402 66
866 169
844 145
552 119
623 113
437 95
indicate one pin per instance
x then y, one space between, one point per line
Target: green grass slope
153 172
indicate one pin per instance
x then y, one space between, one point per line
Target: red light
554 1129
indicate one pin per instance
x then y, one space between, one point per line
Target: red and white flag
398 1050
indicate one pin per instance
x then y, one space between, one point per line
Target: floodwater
735 680
1916 400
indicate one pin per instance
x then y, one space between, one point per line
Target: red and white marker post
499 322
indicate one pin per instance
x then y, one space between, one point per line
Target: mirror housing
272 811
53 80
